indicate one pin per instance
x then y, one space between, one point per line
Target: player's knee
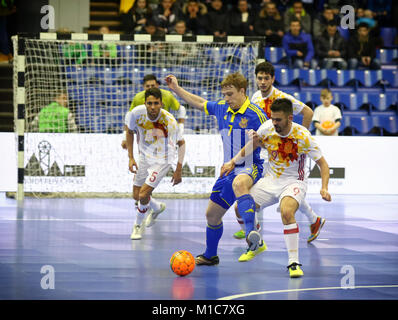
287 216
240 185
212 218
144 196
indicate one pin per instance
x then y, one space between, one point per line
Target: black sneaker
201 260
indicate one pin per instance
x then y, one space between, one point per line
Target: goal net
73 91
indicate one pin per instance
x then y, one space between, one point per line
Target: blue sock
213 236
247 210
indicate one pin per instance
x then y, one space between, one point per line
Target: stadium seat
387 55
388 35
387 121
391 76
345 33
357 123
274 54
312 77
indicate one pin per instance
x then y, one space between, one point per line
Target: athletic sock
241 223
213 236
154 205
307 210
291 235
142 209
246 209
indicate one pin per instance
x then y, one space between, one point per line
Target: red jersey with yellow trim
266 102
287 154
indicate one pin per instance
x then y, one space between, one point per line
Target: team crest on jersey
288 149
243 123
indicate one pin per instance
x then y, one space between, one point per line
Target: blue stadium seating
356 123
387 55
387 121
274 54
388 35
345 33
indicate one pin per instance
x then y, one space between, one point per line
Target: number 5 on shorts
153 176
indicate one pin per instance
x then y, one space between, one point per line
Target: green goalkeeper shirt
169 101
54 118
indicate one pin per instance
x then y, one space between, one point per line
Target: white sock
142 209
291 235
307 210
241 223
154 205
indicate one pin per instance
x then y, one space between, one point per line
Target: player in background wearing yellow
235 116
158 136
264 97
285 180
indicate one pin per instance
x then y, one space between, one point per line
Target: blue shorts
222 192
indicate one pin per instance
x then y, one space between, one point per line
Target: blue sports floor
84 251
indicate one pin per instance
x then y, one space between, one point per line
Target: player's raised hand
171 81
227 168
133 165
325 195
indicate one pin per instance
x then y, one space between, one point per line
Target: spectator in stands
297 12
362 49
269 23
327 116
298 47
365 16
381 11
152 29
107 52
166 15
322 20
7 8
74 52
180 28
55 117
150 52
217 19
195 17
134 20
330 48
241 20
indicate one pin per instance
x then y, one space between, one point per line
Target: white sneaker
138 230
152 215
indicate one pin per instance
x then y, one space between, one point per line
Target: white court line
249 294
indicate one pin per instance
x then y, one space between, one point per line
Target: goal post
80 87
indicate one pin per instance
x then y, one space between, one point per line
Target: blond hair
235 79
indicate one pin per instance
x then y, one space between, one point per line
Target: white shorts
150 174
268 191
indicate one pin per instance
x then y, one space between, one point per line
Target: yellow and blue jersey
234 125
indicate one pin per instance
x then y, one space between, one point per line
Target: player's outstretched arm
307 114
324 168
192 99
177 175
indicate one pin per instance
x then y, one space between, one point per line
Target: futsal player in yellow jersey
264 97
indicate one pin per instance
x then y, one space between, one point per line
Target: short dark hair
284 105
363 25
265 67
149 77
153 92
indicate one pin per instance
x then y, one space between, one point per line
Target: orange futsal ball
327 124
182 263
